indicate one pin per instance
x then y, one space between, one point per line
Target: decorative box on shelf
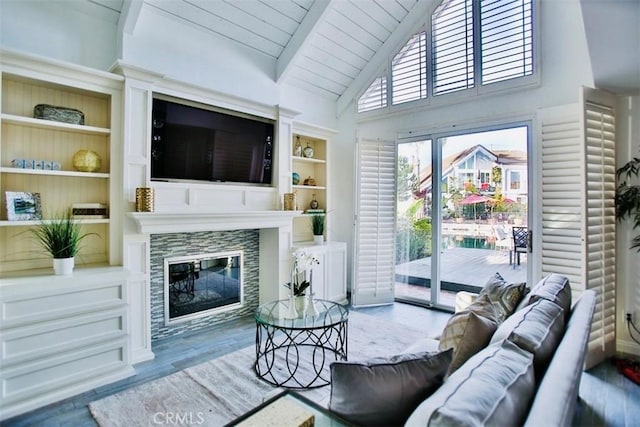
58 114
89 210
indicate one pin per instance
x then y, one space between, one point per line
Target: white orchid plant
302 261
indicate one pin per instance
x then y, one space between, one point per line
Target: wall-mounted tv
193 142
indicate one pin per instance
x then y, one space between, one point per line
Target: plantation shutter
374 249
506 34
452 46
598 127
409 71
578 206
375 96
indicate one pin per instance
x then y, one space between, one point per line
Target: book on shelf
314 211
89 211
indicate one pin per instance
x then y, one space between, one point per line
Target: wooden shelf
5 223
52 125
309 187
74 174
307 160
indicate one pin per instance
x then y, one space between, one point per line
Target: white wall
44 28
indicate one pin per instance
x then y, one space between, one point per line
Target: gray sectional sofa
527 374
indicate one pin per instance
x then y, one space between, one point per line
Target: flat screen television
191 142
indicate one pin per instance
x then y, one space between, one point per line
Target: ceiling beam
129 15
301 37
416 16
127 22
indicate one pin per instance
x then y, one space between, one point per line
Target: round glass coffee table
296 352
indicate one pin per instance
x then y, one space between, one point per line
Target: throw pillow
494 388
538 329
384 391
556 288
504 296
469 331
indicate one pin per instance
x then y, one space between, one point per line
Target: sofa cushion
553 287
384 391
557 396
537 328
504 296
494 388
469 331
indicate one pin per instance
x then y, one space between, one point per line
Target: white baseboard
628 347
140 355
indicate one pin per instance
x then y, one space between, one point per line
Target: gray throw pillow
538 329
384 391
556 288
469 331
504 296
494 388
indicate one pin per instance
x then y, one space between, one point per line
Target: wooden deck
461 269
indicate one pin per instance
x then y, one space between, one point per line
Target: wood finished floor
606 398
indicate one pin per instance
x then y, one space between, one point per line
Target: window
375 96
514 180
485 177
507 39
408 71
452 41
465 178
466 44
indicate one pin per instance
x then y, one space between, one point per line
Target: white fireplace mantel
182 222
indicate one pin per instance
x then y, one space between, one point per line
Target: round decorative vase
318 240
314 203
308 151
87 161
295 178
63 266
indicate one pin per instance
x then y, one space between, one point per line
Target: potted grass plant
61 237
317 227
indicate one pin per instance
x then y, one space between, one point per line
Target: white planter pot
63 266
318 240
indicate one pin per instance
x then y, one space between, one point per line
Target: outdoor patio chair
520 236
503 241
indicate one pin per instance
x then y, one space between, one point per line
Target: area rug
216 392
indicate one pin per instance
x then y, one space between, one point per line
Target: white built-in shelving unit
26 82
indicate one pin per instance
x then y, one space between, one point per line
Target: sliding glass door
461 199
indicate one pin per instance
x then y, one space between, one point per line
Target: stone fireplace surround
181 244
268 232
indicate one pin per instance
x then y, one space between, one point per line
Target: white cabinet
61 336
330 274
